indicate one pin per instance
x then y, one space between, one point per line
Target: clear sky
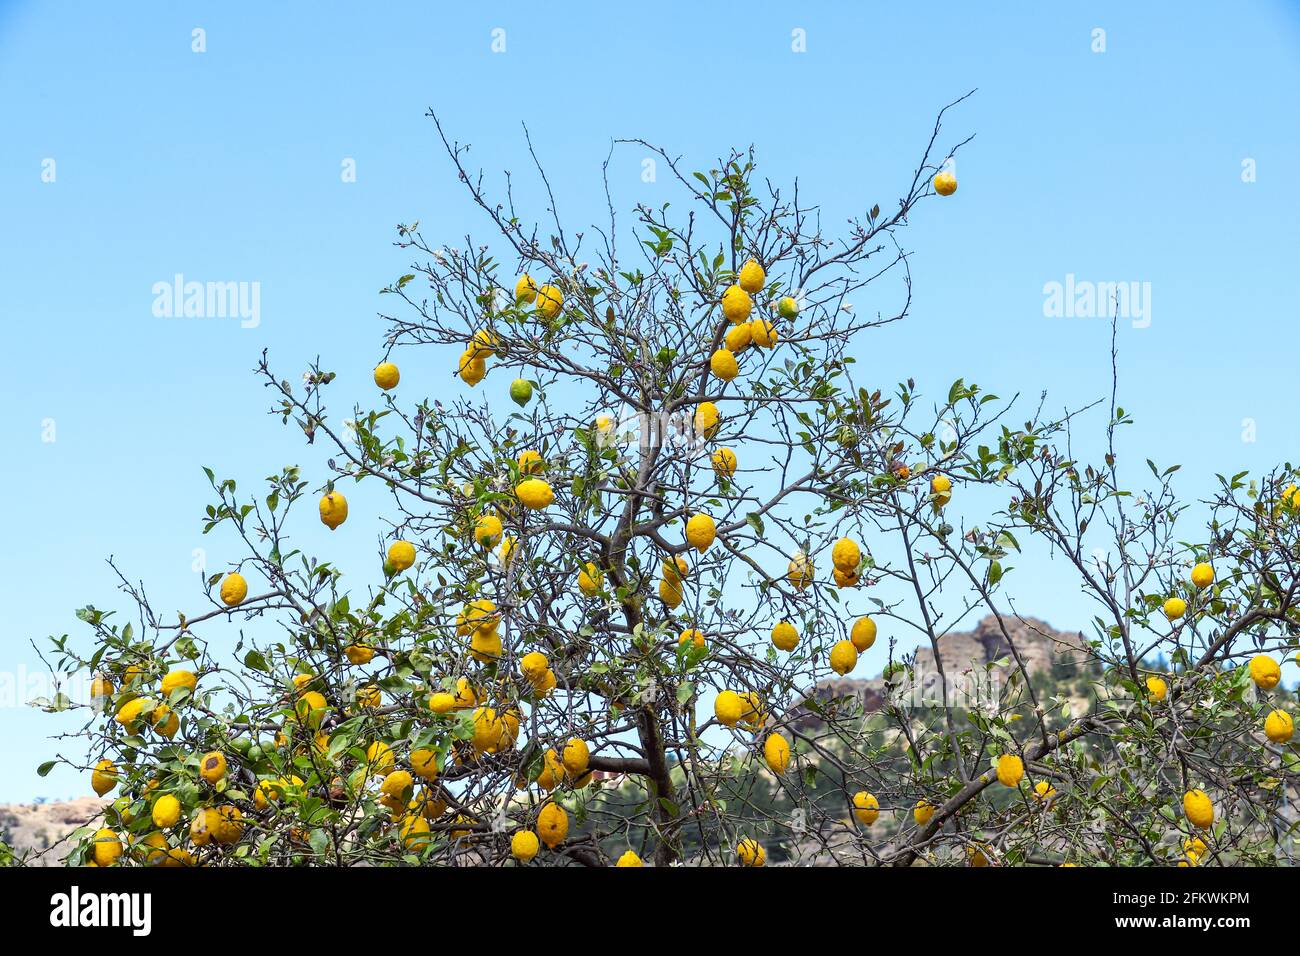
225 165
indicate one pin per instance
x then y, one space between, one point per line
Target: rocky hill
36 832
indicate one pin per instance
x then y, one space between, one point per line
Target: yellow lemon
104 777
940 485
800 571
738 338
1278 726
863 633
1157 688
922 812
1010 770
575 757
533 665
846 555
530 463
471 367
777 753
723 365
552 825
724 462
310 709
525 290
550 301
1203 575
233 589
844 657
670 592
108 848
166 812
424 763
706 419
415 832
629 859
752 276
175 680
386 375
700 532
441 702
534 493
1044 790
1175 608
379 759
359 653
1199 808
675 568
692 636
1264 671
369 697
945 183
763 333
866 807
736 304
728 708
750 852
524 845
401 555
784 636
213 766
590 579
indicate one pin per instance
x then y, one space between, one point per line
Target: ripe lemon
1157 688
396 789
552 825
415 832
777 753
441 702
487 531
166 812
728 708
736 304
1264 671
533 665
700 532
845 580
752 276
485 645
108 848
101 688
534 493
945 183
213 766
589 579
1044 790
310 709
675 568
1010 770
692 636
233 589
379 759
575 757
387 376
359 653
724 462
1175 608
401 555
550 300
750 852
940 485
104 777
707 419
844 657
723 365
866 807
369 697
333 510
784 636
530 463
629 859
738 338
525 290
846 555
174 680
1278 726
763 333
131 713
524 845
863 633
670 592
1203 575
922 812
471 367
1199 808
800 571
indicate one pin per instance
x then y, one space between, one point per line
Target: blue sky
1124 165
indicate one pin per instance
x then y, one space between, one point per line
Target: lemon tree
634 541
